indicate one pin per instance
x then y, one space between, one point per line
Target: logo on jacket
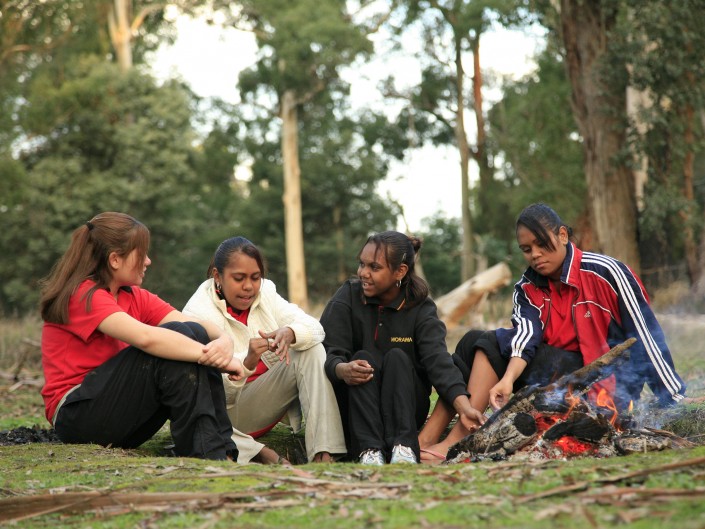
402 339
587 315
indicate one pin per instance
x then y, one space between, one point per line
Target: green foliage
342 160
441 252
534 136
663 48
105 141
302 45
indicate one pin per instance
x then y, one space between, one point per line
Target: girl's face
127 271
240 282
546 262
377 278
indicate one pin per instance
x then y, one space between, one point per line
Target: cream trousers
301 386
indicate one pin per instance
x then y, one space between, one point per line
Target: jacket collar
222 304
397 304
569 274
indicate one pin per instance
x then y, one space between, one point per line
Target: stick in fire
501 436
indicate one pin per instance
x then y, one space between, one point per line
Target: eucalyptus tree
451 30
302 47
588 33
344 158
85 158
612 48
537 145
663 50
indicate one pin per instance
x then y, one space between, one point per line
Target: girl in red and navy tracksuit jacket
570 308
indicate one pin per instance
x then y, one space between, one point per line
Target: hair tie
90 225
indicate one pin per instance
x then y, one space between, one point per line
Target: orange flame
605 401
572 401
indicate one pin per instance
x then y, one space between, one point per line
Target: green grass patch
126 489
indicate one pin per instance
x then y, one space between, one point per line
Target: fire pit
558 421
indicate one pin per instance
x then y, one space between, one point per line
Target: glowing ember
571 446
544 422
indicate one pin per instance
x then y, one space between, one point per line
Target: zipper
380 309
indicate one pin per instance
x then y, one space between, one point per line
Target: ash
24 435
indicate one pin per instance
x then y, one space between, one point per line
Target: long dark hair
542 220
87 258
229 247
401 249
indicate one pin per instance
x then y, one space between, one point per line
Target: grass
111 488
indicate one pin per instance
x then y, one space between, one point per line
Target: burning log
555 421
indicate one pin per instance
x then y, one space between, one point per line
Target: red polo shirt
70 351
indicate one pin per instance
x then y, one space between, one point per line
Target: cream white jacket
268 313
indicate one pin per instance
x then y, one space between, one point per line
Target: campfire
558 421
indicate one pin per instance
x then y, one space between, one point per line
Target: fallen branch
457 303
584 485
24 507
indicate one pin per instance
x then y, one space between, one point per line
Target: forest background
608 130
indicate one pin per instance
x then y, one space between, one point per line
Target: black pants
548 364
126 400
389 409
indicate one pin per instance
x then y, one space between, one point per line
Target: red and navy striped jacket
609 305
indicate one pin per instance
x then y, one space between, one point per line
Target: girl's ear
563 236
401 272
114 260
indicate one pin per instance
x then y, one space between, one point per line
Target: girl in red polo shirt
118 361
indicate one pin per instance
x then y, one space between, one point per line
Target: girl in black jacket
385 348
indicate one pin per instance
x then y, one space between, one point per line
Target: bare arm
502 390
172 345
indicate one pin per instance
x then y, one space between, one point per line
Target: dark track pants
126 400
389 409
548 364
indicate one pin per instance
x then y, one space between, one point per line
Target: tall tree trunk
598 106
698 287
691 246
339 243
120 30
467 265
486 189
637 101
293 226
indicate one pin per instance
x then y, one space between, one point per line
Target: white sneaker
403 454
372 456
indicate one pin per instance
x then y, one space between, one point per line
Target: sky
210 58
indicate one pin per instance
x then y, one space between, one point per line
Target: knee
397 358
467 342
363 355
371 358
314 356
193 330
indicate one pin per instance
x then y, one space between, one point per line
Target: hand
218 353
256 348
235 369
500 393
355 372
279 342
469 417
